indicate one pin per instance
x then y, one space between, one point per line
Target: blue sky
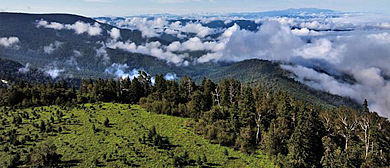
131 7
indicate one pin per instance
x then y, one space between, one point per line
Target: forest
249 119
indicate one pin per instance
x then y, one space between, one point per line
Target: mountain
64 52
69 50
16 72
270 75
295 12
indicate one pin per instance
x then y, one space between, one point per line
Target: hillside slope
85 141
269 75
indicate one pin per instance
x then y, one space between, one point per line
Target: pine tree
247 109
332 154
305 146
365 107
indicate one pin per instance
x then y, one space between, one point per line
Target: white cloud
54 73
229 32
320 49
385 25
170 76
115 33
272 42
79 27
52 47
371 86
73 63
77 53
305 32
102 53
148 27
123 71
365 56
193 44
25 69
153 49
8 41
316 25
52 70
51 25
196 28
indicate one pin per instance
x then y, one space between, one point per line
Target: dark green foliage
15 159
42 126
44 155
93 128
107 122
181 160
152 133
156 139
305 145
204 158
226 152
332 154
199 161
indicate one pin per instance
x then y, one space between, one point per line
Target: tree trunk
258 122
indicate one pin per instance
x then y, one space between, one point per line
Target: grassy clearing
120 144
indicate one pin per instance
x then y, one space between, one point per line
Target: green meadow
115 135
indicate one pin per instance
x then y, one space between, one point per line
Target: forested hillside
252 120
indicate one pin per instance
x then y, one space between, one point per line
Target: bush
107 122
44 155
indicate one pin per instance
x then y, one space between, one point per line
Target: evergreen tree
332 154
365 106
305 146
136 91
194 106
247 109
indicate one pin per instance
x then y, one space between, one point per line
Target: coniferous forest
250 120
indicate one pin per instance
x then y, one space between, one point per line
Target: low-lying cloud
153 49
8 41
364 56
79 27
24 69
122 71
371 86
115 33
52 70
49 49
156 26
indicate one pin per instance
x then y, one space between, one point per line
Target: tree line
251 119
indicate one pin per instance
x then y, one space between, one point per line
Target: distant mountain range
298 12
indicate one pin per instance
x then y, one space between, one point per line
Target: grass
118 145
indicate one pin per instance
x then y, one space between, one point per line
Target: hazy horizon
182 7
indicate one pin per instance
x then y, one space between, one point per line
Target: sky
136 7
